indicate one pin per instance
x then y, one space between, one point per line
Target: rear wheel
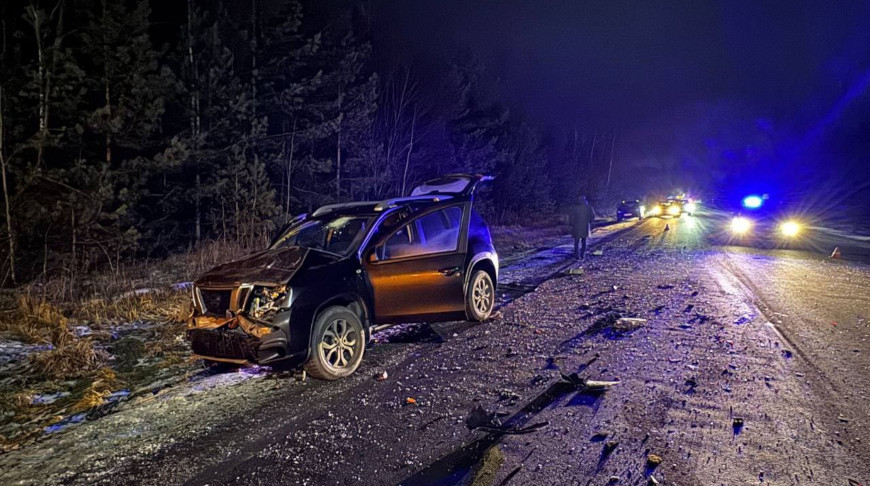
479 297
338 344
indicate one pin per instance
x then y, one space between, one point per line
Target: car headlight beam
790 229
741 225
674 210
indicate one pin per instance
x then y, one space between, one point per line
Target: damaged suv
331 278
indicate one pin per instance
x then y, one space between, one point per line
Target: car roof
445 188
376 207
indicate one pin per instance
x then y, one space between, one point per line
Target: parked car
630 209
331 278
668 207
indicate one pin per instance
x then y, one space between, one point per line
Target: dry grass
35 320
105 382
72 360
150 305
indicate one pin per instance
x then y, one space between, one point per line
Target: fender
477 258
343 299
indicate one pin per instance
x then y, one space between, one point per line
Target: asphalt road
748 367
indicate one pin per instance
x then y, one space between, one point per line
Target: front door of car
417 271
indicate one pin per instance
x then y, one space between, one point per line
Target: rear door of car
416 272
462 185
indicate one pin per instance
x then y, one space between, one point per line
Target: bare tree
9 231
194 120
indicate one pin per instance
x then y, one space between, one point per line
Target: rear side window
436 232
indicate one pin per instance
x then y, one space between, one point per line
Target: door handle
449 272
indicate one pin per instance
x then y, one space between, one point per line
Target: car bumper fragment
223 344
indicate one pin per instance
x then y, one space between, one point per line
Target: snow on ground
704 383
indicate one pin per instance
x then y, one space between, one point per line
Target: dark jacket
580 217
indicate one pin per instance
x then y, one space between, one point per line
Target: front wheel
479 297
337 344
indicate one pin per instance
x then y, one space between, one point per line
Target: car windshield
334 234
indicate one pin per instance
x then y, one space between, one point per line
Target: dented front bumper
239 339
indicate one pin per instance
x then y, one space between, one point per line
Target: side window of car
436 232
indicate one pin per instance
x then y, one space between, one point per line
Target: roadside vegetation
72 357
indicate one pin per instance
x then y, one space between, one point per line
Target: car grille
223 344
216 302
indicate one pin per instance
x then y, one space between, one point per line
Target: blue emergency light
752 202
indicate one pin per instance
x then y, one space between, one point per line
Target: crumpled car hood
267 267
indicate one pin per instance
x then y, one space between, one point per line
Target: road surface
742 366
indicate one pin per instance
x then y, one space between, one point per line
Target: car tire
338 342
479 296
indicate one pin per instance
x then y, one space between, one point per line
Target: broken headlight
265 302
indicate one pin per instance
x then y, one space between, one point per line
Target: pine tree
132 89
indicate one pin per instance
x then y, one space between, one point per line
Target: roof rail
335 207
391 203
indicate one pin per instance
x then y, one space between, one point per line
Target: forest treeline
124 138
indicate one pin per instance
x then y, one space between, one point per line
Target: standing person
580 217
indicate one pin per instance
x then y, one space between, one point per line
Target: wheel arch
352 301
483 261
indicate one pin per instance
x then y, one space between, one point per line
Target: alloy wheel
339 344
482 296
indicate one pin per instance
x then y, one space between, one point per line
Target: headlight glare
741 225
790 228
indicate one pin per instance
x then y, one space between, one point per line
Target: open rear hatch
451 184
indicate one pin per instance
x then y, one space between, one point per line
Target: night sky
626 61
665 74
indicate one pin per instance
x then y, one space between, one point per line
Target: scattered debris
582 384
653 460
382 376
410 401
615 326
737 425
486 421
598 253
576 271
491 462
653 481
665 286
609 447
613 480
837 254
842 419
600 436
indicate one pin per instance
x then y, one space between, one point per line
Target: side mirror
373 256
